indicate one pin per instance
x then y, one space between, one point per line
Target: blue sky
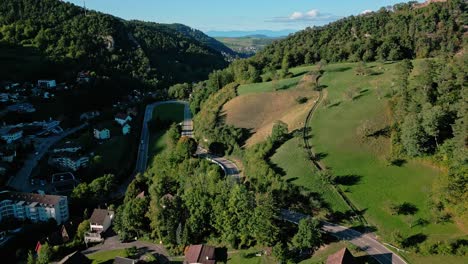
225 15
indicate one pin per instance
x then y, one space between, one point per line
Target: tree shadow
384 132
334 104
413 240
407 209
348 180
320 87
292 179
221 255
398 162
339 69
278 169
320 156
365 229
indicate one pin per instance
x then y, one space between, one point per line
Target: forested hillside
71 40
402 32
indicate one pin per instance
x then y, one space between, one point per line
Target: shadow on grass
320 156
334 104
221 255
398 162
348 180
413 240
339 69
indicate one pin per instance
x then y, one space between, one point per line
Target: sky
245 15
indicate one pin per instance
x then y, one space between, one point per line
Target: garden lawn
292 158
248 257
166 112
106 256
370 184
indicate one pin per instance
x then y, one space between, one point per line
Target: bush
301 100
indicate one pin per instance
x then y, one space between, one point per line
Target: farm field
258 111
293 160
169 113
360 164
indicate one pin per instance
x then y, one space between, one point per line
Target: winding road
364 241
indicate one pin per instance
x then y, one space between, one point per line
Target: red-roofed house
341 257
200 254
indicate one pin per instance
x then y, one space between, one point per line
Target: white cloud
367 11
312 15
296 15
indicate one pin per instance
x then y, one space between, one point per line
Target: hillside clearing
259 111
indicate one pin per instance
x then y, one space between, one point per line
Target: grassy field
272 86
293 160
106 256
259 111
360 163
166 112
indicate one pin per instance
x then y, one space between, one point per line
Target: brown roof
121 116
75 258
341 257
120 260
141 195
200 254
46 200
98 216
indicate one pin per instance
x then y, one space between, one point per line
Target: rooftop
200 254
98 216
341 257
32 199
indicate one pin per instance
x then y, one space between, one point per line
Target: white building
102 133
12 135
35 207
71 162
122 118
99 222
46 83
126 129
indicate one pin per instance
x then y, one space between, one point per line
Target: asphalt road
21 181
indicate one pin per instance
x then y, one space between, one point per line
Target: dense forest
69 39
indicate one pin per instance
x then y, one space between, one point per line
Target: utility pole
84 6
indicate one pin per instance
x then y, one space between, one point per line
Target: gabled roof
98 216
200 254
341 257
75 258
120 260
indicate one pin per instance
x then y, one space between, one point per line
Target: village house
12 135
121 260
102 134
126 129
341 257
8 154
200 254
75 258
89 115
69 161
99 222
46 84
122 118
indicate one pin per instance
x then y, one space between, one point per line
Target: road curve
365 242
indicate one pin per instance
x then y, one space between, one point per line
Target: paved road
364 241
21 181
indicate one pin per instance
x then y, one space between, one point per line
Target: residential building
69 147
89 115
200 254
100 221
12 135
74 258
122 118
341 257
120 260
126 129
22 108
46 84
132 111
101 133
8 155
70 161
35 207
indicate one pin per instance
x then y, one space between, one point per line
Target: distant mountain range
256 33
